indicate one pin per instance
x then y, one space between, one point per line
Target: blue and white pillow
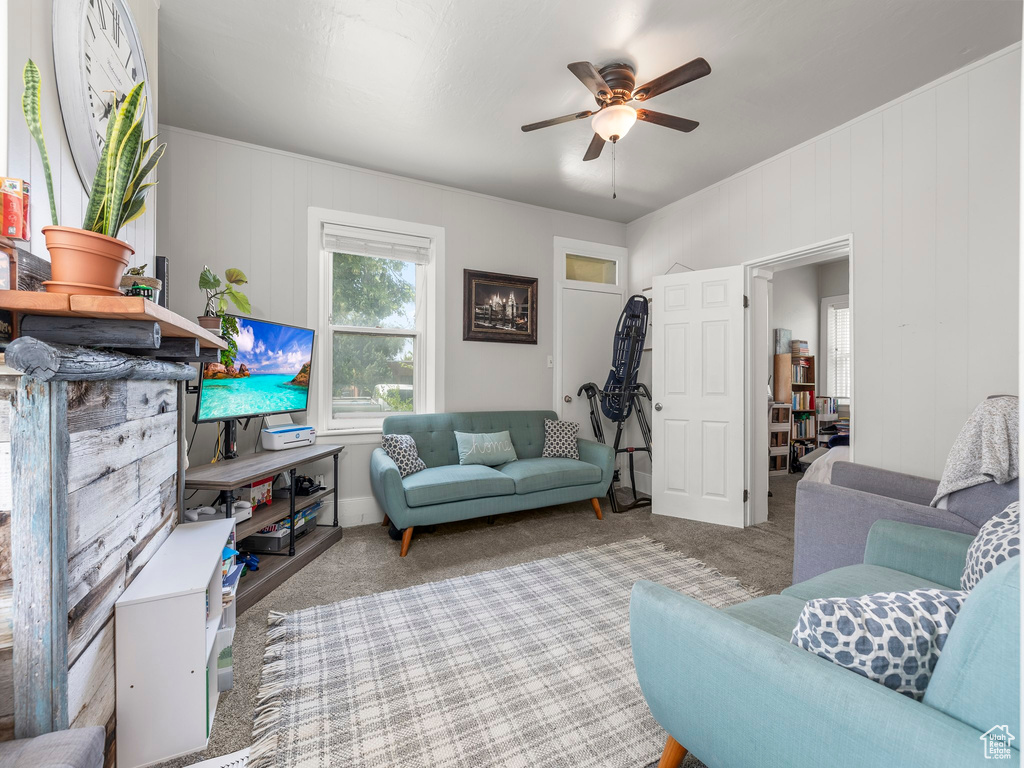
997 541
402 450
893 638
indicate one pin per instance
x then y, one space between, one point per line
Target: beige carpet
366 561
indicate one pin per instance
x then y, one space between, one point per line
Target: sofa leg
406 540
672 755
597 508
386 522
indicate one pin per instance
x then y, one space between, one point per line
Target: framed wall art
497 307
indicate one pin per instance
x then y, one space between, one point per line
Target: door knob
568 398
657 406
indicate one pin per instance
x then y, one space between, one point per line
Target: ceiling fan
613 86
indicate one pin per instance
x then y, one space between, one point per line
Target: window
837 312
590 269
378 352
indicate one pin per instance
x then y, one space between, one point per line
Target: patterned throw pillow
893 638
560 439
402 450
998 540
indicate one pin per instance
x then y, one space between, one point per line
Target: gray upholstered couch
833 520
73 748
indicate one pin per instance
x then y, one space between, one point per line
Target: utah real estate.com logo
996 741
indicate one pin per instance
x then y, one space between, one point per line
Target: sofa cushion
532 475
439 485
775 614
857 580
892 638
434 433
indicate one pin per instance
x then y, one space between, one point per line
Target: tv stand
228 476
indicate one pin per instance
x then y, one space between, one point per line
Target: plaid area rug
523 667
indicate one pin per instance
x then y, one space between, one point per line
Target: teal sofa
728 686
446 491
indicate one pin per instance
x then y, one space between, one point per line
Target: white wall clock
98 58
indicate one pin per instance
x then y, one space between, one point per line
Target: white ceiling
437 89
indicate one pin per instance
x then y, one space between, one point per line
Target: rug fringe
268 698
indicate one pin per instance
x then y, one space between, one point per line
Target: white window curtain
839 368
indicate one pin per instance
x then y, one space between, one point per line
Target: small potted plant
91 259
218 292
137 276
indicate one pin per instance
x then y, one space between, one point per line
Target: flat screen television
269 372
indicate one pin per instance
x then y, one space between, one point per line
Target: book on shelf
800 347
804 426
803 401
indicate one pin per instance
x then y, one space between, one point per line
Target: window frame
428 335
827 384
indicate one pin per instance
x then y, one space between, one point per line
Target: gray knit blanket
986 448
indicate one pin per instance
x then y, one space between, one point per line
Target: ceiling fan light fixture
614 122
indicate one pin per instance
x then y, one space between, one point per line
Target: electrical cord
255 448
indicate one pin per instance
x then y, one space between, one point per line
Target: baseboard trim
643 481
361 510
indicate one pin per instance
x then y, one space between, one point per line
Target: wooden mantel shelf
172 325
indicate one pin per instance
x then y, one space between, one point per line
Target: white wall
30 35
795 304
929 187
229 204
834 278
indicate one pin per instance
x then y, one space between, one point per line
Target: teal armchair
728 686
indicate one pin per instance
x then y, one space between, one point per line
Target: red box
26 227
12 191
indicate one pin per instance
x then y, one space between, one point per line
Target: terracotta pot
85 262
209 322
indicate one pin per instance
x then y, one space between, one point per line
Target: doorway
800 364
590 287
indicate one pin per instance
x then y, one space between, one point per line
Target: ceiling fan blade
687 73
591 78
557 120
594 150
669 121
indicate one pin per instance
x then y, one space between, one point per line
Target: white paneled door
588 330
698 375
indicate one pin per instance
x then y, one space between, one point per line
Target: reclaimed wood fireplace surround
91 483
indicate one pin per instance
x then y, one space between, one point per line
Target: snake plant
30 107
119 188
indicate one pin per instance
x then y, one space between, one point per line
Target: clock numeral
88 63
91 27
100 138
103 18
117 26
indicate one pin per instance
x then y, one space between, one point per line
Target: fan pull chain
614 145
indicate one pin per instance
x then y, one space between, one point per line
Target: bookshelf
804 427
779 428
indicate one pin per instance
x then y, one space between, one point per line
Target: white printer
278 438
